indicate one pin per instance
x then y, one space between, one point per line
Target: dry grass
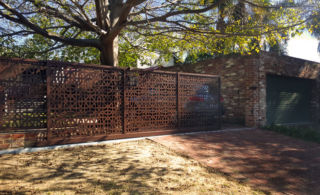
137 167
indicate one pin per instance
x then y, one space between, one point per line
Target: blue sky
304 46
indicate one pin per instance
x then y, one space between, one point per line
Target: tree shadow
266 160
86 170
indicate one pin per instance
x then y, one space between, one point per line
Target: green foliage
197 57
305 133
128 55
267 25
38 47
232 27
78 54
314 26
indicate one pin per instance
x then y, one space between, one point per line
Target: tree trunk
221 23
109 52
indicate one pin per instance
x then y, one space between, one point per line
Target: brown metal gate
77 102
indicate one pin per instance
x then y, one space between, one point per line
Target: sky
304 46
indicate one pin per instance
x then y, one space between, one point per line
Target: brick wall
243 82
22 139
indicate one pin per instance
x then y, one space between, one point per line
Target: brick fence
22 139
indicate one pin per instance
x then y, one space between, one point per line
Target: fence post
177 99
48 82
124 75
219 103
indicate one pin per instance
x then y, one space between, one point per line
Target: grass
137 167
305 133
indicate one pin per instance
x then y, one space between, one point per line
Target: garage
288 100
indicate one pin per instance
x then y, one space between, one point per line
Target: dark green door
288 100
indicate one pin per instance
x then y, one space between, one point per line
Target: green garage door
288 100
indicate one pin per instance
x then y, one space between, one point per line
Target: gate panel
199 101
150 101
84 101
23 103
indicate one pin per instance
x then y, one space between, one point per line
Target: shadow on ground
139 167
266 160
78 171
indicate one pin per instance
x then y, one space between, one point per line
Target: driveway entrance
265 160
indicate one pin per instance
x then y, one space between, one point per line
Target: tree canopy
126 29
313 26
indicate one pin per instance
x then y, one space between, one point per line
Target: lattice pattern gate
76 102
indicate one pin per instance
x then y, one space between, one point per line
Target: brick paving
266 160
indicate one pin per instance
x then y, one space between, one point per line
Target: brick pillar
262 77
251 87
255 100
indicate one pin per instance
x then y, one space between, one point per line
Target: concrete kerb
37 149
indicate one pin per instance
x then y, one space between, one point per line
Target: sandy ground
136 167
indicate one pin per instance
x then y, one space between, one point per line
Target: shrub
305 133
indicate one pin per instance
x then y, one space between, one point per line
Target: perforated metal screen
22 95
83 101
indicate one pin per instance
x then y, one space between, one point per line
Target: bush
305 133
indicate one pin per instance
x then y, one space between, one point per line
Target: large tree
195 25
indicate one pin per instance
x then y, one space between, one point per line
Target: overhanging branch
17 17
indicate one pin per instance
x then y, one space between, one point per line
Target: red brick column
254 114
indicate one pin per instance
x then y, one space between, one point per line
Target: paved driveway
266 160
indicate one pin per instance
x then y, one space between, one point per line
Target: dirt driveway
266 160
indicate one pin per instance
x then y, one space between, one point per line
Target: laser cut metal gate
78 103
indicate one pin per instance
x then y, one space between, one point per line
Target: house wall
243 82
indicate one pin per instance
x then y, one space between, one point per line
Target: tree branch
20 19
175 13
22 32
